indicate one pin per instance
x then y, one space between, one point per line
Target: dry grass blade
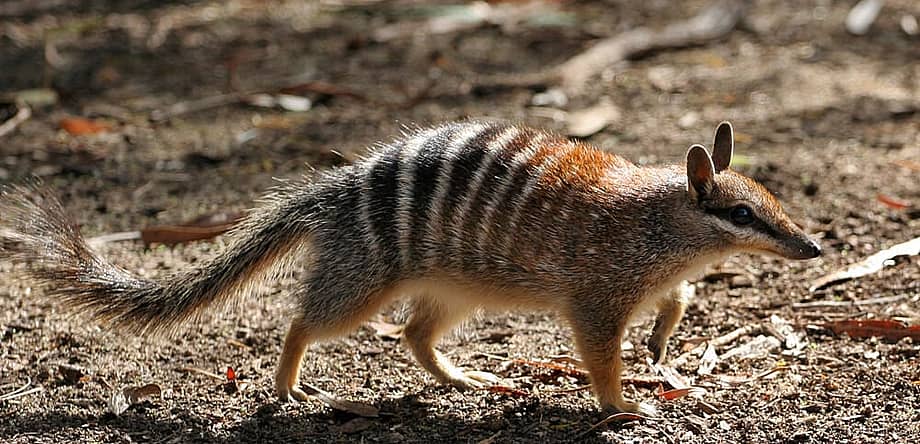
616 417
868 265
357 408
23 113
21 391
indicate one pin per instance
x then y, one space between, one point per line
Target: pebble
741 281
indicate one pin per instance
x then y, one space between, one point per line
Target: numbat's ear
700 172
723 145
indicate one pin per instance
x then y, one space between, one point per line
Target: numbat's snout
455 217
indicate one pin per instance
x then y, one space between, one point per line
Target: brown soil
824 119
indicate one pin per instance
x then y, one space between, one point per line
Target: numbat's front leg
599 342
670 311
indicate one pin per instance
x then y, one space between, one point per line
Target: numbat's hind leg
430 320
295 345
326 313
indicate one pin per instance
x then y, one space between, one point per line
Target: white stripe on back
492 151
408 162
520 161
435 232
517 204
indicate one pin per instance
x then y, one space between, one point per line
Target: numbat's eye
741 215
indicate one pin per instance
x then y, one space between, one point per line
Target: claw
658 348
639 408
476 380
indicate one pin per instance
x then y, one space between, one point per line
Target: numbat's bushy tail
457 216
36 230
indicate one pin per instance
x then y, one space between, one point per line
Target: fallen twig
190 106
868 265
562 368
199 371
718 342
717 20
833 304
741 380
713 22
612 418
23 113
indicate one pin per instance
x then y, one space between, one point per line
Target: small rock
688 120
741 281
553 97
862 16
909 25
72 375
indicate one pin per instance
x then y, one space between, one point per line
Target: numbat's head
737 209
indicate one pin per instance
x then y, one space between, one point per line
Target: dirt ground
827 120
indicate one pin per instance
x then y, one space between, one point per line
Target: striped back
452 197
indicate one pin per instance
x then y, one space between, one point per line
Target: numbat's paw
475 380
292 394
639 408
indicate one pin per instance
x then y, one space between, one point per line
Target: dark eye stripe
720 212
758 224
726 213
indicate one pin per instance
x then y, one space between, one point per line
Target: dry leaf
588 121
121 400
79 126
671 376
864 328
893 202
138 394
912 165
869 265
708 361
200 228
670 395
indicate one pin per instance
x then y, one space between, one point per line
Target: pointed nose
813 250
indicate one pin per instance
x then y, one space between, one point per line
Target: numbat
455 217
